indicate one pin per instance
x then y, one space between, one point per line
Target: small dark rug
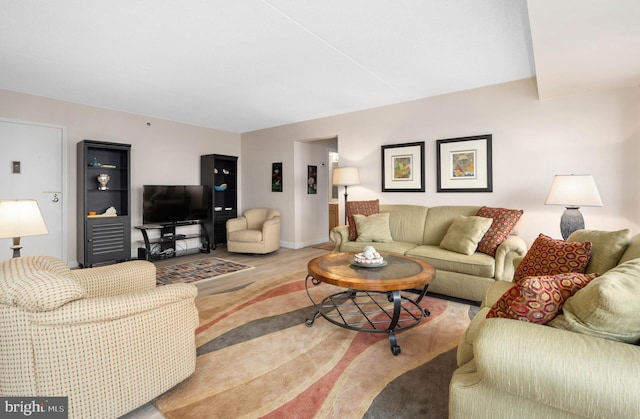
258 359
198 270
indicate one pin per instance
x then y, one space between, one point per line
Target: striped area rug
198 270
258 358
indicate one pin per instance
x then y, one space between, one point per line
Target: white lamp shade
574 191
346 176
20 218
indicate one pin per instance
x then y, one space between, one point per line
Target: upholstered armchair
106 337
256 231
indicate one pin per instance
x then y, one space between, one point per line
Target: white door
39 150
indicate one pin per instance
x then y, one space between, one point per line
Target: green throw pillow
465 233
606 247
374 228
607 307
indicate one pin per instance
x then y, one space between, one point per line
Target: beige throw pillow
606 247
374 228
465 233
607 307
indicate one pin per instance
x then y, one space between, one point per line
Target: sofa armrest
339 235
236 224
511 248
113 308
585 375
120 278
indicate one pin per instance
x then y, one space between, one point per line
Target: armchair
105 337
256 231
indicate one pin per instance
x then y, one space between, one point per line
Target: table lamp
346 176
20 218
573 192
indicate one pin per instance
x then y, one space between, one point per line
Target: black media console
168 244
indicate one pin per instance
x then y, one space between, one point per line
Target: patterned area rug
257 358
198 270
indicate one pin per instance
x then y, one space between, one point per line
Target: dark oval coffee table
372 301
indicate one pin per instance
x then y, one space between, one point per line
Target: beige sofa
583 363
417 231
105 337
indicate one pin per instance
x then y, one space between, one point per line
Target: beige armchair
105 337
256 231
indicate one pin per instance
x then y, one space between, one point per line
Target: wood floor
281 262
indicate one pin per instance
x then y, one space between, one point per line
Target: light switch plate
15 167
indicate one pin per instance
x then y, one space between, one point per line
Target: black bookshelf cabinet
103 236
217 170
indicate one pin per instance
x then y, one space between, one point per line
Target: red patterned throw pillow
504 221
502 307
542 297
365 208
538 299
551 257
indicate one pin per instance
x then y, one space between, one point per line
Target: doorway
38 150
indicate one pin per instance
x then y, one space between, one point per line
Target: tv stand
168 244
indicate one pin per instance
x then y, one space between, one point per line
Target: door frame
63 166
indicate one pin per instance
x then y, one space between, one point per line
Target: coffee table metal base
370 311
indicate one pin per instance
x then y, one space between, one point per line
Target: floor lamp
573 192
346 176
20 218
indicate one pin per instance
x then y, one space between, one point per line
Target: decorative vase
103 179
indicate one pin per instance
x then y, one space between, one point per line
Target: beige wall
165 152
597 133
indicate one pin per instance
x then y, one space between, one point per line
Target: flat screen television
174 204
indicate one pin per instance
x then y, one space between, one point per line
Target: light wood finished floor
281 262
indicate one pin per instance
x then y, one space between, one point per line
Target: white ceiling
249 64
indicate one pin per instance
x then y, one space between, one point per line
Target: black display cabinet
104 221
219 173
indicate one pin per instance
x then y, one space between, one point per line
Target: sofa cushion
400 248
359 207
607 307
43 291
406 222
248 235
464 234
504 221
373 228
606 247
440 218
476 264
550 257
632 251
541 298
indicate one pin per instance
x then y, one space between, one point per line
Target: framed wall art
276 177
464 164
403 167
312 180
